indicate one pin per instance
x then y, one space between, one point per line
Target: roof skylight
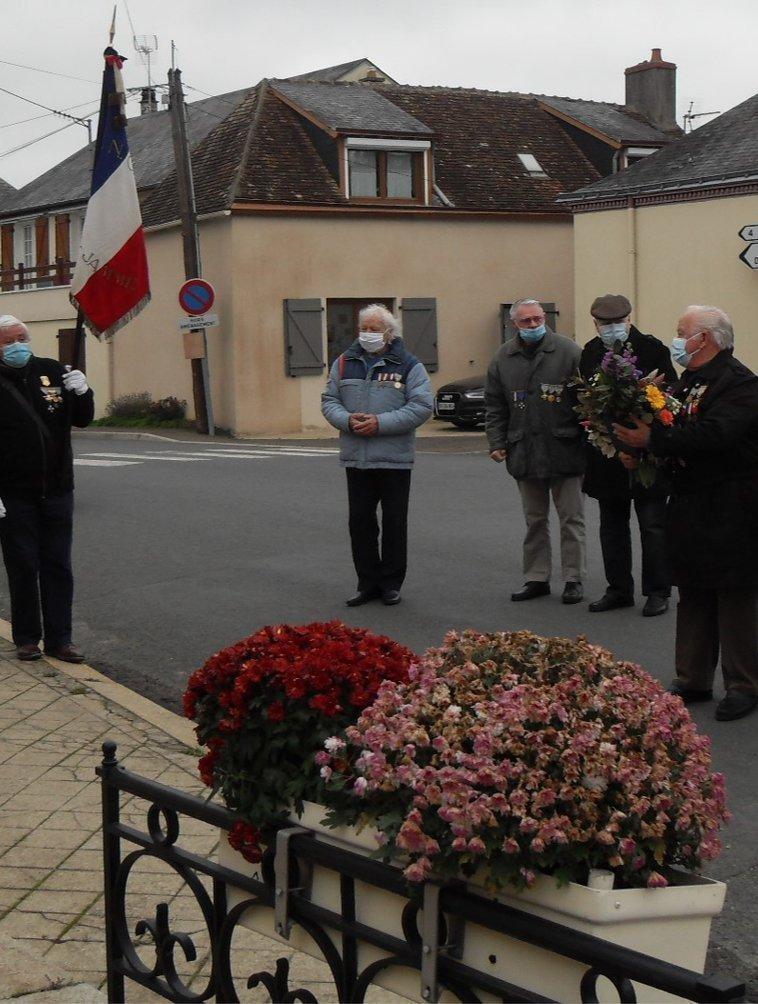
533 167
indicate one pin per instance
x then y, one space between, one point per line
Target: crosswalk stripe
141 456
105 463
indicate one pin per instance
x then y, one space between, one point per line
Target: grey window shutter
420 330
508 328
303 337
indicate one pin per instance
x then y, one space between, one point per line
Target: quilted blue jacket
395 387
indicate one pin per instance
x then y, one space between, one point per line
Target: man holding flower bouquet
607 481
711 530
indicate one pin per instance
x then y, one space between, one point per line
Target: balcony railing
57 273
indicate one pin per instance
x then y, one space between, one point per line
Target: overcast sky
577 48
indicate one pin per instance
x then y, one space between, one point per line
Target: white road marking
106 463
141 456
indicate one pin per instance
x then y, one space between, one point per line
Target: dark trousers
36 542
709 620
616 545
366 490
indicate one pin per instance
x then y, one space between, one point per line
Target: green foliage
139 410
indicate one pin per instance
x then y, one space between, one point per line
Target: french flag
110 284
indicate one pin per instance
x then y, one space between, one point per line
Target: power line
36 118
31 142
52 73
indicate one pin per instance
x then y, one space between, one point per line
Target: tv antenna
689 116
145 45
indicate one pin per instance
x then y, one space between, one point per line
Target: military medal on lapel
552 392
519 399
693 400
44 380
52 395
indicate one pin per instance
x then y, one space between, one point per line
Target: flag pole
79 332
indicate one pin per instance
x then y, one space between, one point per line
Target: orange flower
665 416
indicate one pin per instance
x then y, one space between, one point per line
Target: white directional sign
750 255
198 322
750 232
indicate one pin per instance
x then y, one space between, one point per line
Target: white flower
454 711
326 773
359 786
333 744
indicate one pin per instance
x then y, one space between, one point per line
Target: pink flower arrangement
527 754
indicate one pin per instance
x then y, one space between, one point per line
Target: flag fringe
120 323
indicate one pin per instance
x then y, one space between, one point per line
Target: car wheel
465 423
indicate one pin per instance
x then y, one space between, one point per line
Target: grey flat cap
611 307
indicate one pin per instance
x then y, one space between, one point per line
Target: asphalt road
182 548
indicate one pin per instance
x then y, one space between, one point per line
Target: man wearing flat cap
607 480
39 402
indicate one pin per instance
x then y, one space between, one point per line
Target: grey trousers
569 504
711 619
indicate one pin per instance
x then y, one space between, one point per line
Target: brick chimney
651 91
148 101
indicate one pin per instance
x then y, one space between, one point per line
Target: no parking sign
196 296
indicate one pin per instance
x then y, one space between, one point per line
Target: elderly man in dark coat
607 481
532 426
710 521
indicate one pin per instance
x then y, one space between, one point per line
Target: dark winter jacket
712 533
606 477
530 402
35 457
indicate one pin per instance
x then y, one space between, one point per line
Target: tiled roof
330 74
151 147
478 135
351 108
723 150
266 152
6 191
614 121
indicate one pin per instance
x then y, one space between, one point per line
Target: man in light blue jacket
377 395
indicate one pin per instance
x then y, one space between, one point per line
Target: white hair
715 320
387 318
522 303
9 321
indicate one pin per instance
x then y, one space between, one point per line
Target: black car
461 402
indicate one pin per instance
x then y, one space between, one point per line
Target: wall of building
148 352
45 312
686 252
469 266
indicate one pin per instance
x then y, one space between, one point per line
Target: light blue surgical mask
17 354
612 333
533 334
679 351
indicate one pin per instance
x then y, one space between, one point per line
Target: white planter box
671 924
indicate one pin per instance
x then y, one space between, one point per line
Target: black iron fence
434 923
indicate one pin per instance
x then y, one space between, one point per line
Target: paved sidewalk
53 720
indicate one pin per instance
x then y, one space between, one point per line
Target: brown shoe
28 653
66 653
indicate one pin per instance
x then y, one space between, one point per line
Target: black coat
711 528
34 463
606 477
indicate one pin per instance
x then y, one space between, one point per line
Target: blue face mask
17 354
679 352
532 334
612 333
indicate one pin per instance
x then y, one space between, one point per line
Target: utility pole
193 268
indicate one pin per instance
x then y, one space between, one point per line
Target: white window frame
532 166
423 146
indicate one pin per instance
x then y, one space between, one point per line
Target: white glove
76 381
2 509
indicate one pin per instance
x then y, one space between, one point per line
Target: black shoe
690 696
28 653
611 601
736 704
391 597
363 596
531 590
655 605
572 593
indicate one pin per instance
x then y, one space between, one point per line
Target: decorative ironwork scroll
434 925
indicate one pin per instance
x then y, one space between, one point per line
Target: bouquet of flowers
265 706
615 393
522 753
